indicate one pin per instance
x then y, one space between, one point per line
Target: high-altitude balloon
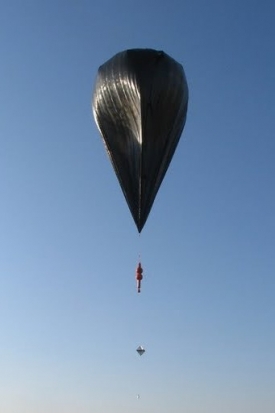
140 104
140 350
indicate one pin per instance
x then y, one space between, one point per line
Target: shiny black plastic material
140 104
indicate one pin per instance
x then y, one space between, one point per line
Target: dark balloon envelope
140 104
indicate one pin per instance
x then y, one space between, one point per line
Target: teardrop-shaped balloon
140 104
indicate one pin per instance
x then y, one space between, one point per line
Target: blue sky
70 316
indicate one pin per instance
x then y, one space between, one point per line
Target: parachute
140 104
139 276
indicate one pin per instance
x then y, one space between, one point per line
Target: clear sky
70 317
